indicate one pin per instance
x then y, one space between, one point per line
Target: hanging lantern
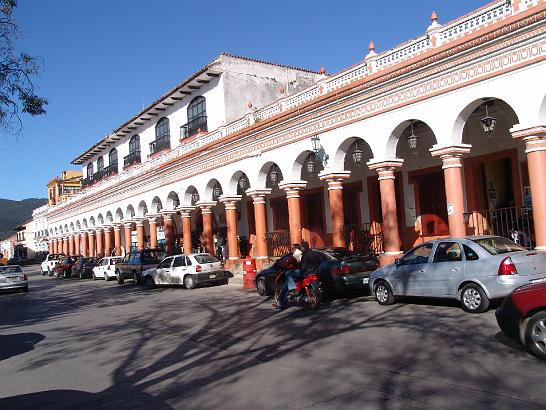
357 154
216 191
311 164
195 197
488 123
243 183
413 141
274 175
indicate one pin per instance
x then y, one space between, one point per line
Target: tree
16 73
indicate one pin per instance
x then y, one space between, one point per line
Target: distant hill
13 213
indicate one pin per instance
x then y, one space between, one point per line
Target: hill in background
13 213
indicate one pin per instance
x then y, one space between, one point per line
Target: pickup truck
135 262
48 265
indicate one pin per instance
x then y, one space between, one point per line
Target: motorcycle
308 292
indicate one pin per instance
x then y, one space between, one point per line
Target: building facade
444 135
61 188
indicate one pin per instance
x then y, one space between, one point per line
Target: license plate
213 276
365 281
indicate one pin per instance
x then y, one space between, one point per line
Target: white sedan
188 270
106 268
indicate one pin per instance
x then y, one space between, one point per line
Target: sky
105 60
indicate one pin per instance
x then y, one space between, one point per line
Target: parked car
473 270
135 262
188 270
83 267
13 277
343 268
64 267
106 268
48 265
522 317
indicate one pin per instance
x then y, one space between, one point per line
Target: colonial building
444 135
61 188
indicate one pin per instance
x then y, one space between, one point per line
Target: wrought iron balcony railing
160 143
132 158
87 181
196 125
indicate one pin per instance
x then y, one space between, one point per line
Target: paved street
94 344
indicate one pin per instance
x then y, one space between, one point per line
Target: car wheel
535 334
261 287
383 294
119 277
474 299
94 276
106 277
149 283
189 282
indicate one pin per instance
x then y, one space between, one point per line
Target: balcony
196 125
132 158
160 144
87 181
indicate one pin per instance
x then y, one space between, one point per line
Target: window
418 255
113 160
205 258
197 118
470 254
89 170
166 263
162 128
100 164
197 108
188 261
134 144
448 252
497 245
179 261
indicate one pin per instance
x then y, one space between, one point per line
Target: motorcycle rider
291 269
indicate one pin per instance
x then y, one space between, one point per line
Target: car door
178 270
445 270
407 277
163 271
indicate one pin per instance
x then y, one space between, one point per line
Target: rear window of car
89 260
206 259
10 269
337 253
498 245
150 257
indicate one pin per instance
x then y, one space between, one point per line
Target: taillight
507 267
198 268
341 270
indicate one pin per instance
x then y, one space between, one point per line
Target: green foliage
16 73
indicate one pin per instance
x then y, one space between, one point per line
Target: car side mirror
397 262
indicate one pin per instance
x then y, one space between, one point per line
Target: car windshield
205 258
152 257
10 269
89 260
498 245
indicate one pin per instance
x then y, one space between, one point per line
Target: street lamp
243 183
318 150
274 174
488 123
216 191
413 141
311 164
194 197
357 154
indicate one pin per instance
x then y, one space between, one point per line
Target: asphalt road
95 345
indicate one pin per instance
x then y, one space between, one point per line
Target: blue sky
106 59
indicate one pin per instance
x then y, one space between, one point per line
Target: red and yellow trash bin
249 272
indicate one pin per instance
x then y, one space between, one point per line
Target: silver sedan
13 277
473 270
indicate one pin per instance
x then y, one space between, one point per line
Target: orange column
168 228
107 241
335 195
65 245
85 250
260 217
50 246
186 229
453 179
206 211
153 232
292 190
54 243
100 243
117 239
128 226
91 238
391 237
231 220
71 245
535 148
77 250
140 234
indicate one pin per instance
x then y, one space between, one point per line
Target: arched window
134 144
113 160
162 128
197 117
100 164
90 170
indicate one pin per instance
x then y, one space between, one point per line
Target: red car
522 316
